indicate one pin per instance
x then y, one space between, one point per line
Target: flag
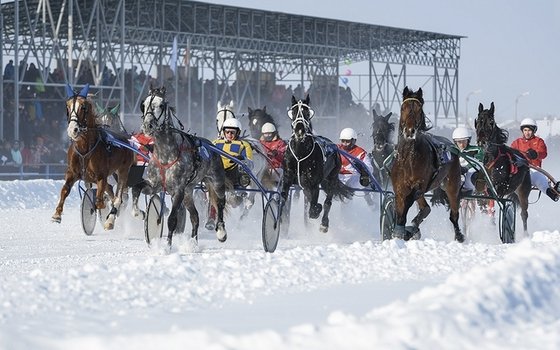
174 55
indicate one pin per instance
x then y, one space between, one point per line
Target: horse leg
249 201
423 211
218 201
314 207
402 205
193 215
453 196
64 192
117 199
325 219
523 194
172 219
140 187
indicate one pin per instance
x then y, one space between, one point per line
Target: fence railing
27 172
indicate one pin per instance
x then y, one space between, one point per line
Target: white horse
261 163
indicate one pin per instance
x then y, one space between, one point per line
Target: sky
60 289
511 47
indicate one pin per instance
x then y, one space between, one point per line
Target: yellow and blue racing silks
238 149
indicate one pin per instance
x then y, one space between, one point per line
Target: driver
349 174
534 149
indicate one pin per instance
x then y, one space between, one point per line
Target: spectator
40 153
9 71
17 157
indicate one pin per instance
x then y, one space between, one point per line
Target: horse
423 163
382 145
109 119
89 157
311 161
257 118
179 162
507 167
261 164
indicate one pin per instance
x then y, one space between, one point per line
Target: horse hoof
412 232
323 229
315 211
221 233
399 232
210 225
108 227
56 219
460 238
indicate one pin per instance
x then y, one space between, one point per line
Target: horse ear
98 108
115 110
69 91
307 100
163 90
231 104
420 93
480 107
84 91
250 110
492 107
151 89
264 109
142 107
219 106
294 101
375 115
388 116
405 92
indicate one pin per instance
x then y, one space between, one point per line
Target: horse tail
340 190
439 197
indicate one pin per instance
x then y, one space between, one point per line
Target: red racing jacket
356 151
535 143
275 150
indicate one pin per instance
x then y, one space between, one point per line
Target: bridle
73 114
300 118
150 111
418 123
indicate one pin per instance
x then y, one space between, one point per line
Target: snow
60 289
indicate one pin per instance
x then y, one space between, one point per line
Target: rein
83 156
299 160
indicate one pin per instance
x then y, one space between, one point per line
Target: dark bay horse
90 159
383 146
179 162
257 118
507 167
422 164
311 161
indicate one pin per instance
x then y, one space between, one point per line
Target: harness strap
83 156
302 159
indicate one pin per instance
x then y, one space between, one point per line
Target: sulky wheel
271 225
88 212
507 222
387 217
153 224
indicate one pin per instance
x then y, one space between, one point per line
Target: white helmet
231 123
461 133
528 123
268 127
348 134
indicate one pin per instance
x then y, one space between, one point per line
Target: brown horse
90 159
507 167
423 163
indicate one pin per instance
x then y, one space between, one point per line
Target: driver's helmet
461 133
268 128
348 134
528 123
232 123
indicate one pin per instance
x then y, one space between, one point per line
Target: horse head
412 118
225 111
257 118
487 131
154 111
381 130
109 117
301 114
79 112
